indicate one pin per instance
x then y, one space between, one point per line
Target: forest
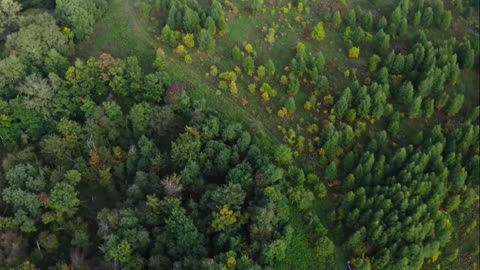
252 134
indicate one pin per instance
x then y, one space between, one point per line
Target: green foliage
318 32
427 16
283 154
302 198
446 20
270 38
270 68
191 21
465 55
80 15
159 59
38 35
206 41
455 105
256 5
12 71
185 148
140 116
9 10
248 65
293 86
174 184
291 105
275 251
337 19
331 171
63 201
382 42
236 54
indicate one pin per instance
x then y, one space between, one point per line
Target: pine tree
382 42
191 21
337 19
446 20
318 32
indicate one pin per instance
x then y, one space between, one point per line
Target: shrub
318 32
354 52
282 113
233 88
213 70
236 54
188 40
251 88
283 154
180 50
188 59
270 38
373 63
248 48
261 72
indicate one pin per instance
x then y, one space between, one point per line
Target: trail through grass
122 32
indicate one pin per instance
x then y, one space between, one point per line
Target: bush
248 48
180 50
354 52
318 32
283 154
188 59
188 40
373 63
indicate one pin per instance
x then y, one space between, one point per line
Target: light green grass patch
122 32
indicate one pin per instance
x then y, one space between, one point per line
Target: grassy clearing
124 31
121 32
300 255
239 28
468 84
199 88
465 239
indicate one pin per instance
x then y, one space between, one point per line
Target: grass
468 84
199 88
239 28
466 238
122 32
300 254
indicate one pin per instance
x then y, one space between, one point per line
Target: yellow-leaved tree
354 52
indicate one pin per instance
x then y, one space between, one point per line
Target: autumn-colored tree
188 40
354 52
